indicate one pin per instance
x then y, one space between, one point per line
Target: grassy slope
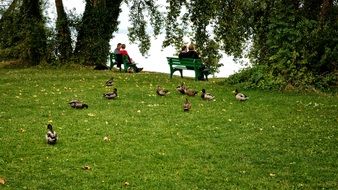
273 141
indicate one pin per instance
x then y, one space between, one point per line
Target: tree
9 36
99 21
34 41
23 32
289 42
293 43
63 38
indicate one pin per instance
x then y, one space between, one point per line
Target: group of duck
51 136
183 89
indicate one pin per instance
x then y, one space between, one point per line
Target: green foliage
23 33
271 141
256 77
210 55
298 49
10 32
295 42
143 13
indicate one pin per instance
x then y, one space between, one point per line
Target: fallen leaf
272 174
2 181
86 167
106 138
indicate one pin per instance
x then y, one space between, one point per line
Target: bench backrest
184 61
125 59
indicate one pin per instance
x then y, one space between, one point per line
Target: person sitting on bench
192 53
118 56
183 52
123 51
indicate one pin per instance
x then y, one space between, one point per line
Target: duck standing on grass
186 105
206 96
161 91
51 136
240 96
190 92
181 88
111 95
110 82
77 104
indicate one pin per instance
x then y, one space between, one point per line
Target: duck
181 88
190 92
240 96
77 104
186 105
206 96
110 82
161 91
51 136
72 103
111 95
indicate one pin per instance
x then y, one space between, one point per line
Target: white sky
156 61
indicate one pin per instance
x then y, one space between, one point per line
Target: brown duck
190 92
181 88
161 91
186 105
77 104
111 95
110 82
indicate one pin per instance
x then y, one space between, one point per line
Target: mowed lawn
275 140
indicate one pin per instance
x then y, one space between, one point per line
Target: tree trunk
98 24
9 35
325 10
34 44
63 38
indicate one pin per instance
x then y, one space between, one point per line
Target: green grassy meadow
275 140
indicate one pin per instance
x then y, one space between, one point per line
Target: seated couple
192 53
120 51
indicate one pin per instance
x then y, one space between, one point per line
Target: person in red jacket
123 51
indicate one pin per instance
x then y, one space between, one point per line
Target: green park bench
125 61
177 64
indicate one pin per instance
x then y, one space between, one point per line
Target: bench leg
181 72
197 75
172 72
125 67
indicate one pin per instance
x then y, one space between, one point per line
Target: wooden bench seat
177 64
